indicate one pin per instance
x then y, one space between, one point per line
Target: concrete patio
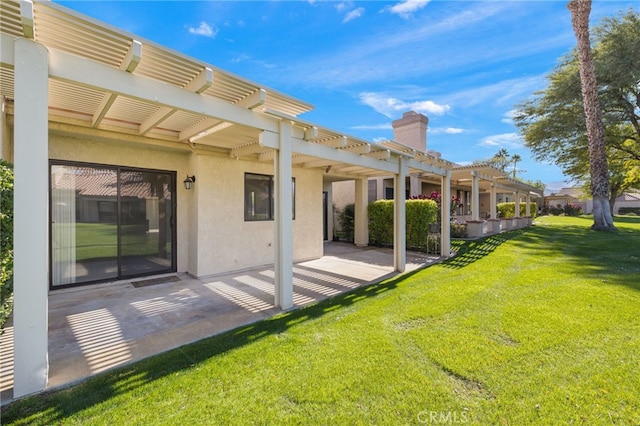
96 328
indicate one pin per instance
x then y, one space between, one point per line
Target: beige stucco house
576 196
134 160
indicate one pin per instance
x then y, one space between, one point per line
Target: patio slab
97 328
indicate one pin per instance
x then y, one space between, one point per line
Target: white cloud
390 106
406 8
204 29
508 116
504 140
447 130
354 14
502 92
342 6
384 126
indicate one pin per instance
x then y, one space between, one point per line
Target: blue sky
464 64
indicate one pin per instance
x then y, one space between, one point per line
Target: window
258 197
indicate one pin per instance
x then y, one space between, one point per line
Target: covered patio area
95 329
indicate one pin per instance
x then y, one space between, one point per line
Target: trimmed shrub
381 222
631 211
345 219
557 210
420 213
572 210
568 210
6 241
458 230
508 210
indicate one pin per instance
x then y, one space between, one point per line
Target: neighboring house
569 196
132 159
575 196
492 185
628 199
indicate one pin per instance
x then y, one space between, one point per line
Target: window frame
271 205
118 169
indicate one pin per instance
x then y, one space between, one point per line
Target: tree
598 167
553 122
515 158
500 159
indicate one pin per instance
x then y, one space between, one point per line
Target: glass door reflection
146 239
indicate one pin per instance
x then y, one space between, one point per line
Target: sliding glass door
146 243
110 223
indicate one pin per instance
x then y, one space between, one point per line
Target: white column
415 186
475 196
527 207
283 264
31 216
492 201
399 218
361 218
445 219
516 199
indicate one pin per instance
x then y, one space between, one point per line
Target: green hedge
629 211
6 241
381 222
508 210
419 214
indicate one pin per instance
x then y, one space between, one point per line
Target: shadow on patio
93 329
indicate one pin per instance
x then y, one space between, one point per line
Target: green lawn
537 326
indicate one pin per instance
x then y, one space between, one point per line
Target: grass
537 326
100 241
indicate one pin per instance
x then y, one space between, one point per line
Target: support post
415 186
492 202
475 196
516 198
361 219
31 218
283 264
399 217
445 218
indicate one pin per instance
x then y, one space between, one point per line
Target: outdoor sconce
188 182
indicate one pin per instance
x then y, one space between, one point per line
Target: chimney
411 130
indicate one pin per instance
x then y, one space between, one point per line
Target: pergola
485 178
65 73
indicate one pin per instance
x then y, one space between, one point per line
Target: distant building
576 196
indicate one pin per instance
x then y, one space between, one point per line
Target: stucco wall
227 242
212 235
82 149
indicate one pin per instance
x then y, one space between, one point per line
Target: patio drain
154 281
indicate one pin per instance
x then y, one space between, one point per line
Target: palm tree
598 167
501 159
515 158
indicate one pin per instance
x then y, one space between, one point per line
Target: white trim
445 219
361 218
399 217
31 219
283 264
84 72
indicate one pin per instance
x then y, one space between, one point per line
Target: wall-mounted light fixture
188 182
